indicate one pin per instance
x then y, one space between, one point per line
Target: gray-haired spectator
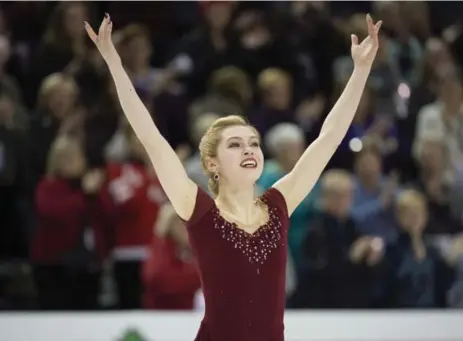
444 119
285 144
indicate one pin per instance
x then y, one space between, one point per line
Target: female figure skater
239 242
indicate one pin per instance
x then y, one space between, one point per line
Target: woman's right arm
180 190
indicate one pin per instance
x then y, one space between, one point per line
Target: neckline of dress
235 226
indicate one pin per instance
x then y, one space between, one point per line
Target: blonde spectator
275 87
73 220
276 93
56 113
229 92
415 274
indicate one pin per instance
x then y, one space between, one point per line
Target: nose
248 151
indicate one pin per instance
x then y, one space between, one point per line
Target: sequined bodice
243 275
256 246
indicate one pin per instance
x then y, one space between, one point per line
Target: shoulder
275 199
203 205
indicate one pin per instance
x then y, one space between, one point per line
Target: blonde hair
51 83
133 31
336 179
210 141
411 198
271 76
232 82
59 148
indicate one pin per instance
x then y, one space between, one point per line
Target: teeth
249 163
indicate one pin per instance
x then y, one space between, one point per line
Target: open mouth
249 163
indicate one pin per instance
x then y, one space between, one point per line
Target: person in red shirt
70 242
137 196
170 275
239 240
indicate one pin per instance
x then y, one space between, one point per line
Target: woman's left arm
296 185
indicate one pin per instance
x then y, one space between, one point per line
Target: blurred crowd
85 224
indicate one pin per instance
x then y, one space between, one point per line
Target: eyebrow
240 138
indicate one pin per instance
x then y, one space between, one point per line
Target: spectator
229 92
285 144
64 40
275 90
337 267
438 189
136 50
276 64
374 196
208 48
444 119
404 50
137 196
56 105
417 276
70 242
170 276
437 61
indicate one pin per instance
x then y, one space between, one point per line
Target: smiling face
239 159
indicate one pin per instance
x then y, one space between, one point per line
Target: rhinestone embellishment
257 246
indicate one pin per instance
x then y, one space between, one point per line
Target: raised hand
103 40
364 53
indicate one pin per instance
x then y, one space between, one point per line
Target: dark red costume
243 275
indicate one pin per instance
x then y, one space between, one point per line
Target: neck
237 201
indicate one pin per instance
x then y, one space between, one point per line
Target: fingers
102 30
370 25
354 39
91 33
373 29
378 25
108 28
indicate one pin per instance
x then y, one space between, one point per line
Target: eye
234 145
255 144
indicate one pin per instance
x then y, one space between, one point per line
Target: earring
216 177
